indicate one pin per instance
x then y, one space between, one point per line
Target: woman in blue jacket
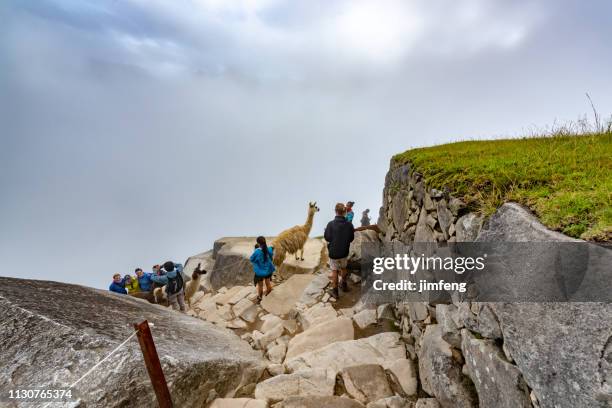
263 267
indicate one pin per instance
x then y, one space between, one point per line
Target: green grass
566 180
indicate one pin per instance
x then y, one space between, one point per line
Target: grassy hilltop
565 179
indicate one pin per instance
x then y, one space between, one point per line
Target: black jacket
339 234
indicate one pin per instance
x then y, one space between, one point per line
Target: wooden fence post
153 364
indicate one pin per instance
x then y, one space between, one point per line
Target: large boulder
361 238
562 349
52 333
232 266
440 372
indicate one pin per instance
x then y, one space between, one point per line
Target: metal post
153 364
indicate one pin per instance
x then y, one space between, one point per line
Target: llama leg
302 254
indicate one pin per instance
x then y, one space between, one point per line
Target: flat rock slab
284 296
305 383
331 331
383 349
319 402
238 403
52 333
317 314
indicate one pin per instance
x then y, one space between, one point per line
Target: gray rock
52 333
423 232
318 402
498 383
440 372
404 377
306 383
445 218
276 353
417 311
238 403
365 318
446 319
468 227
399 209
455 205
427 403
284 296
487 324
314 289
366 383
431 221
382 349
513 223
361 238
232 266
322 334
385 312
562 349
419 193
391 402
428 203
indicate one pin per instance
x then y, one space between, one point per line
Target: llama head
312 208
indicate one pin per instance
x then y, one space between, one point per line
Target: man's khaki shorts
337 264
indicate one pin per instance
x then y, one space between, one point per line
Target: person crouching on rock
263 267
339 234
131 284
118 285
175 286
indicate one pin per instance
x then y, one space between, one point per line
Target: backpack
174 285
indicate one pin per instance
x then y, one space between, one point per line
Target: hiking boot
345 286
335 293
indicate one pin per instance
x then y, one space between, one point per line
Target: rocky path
320 351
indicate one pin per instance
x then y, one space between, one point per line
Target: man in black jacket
339 234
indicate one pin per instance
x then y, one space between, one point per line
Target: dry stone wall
548 355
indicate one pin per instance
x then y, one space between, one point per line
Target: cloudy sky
136 131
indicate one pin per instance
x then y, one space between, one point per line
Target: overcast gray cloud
138 131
